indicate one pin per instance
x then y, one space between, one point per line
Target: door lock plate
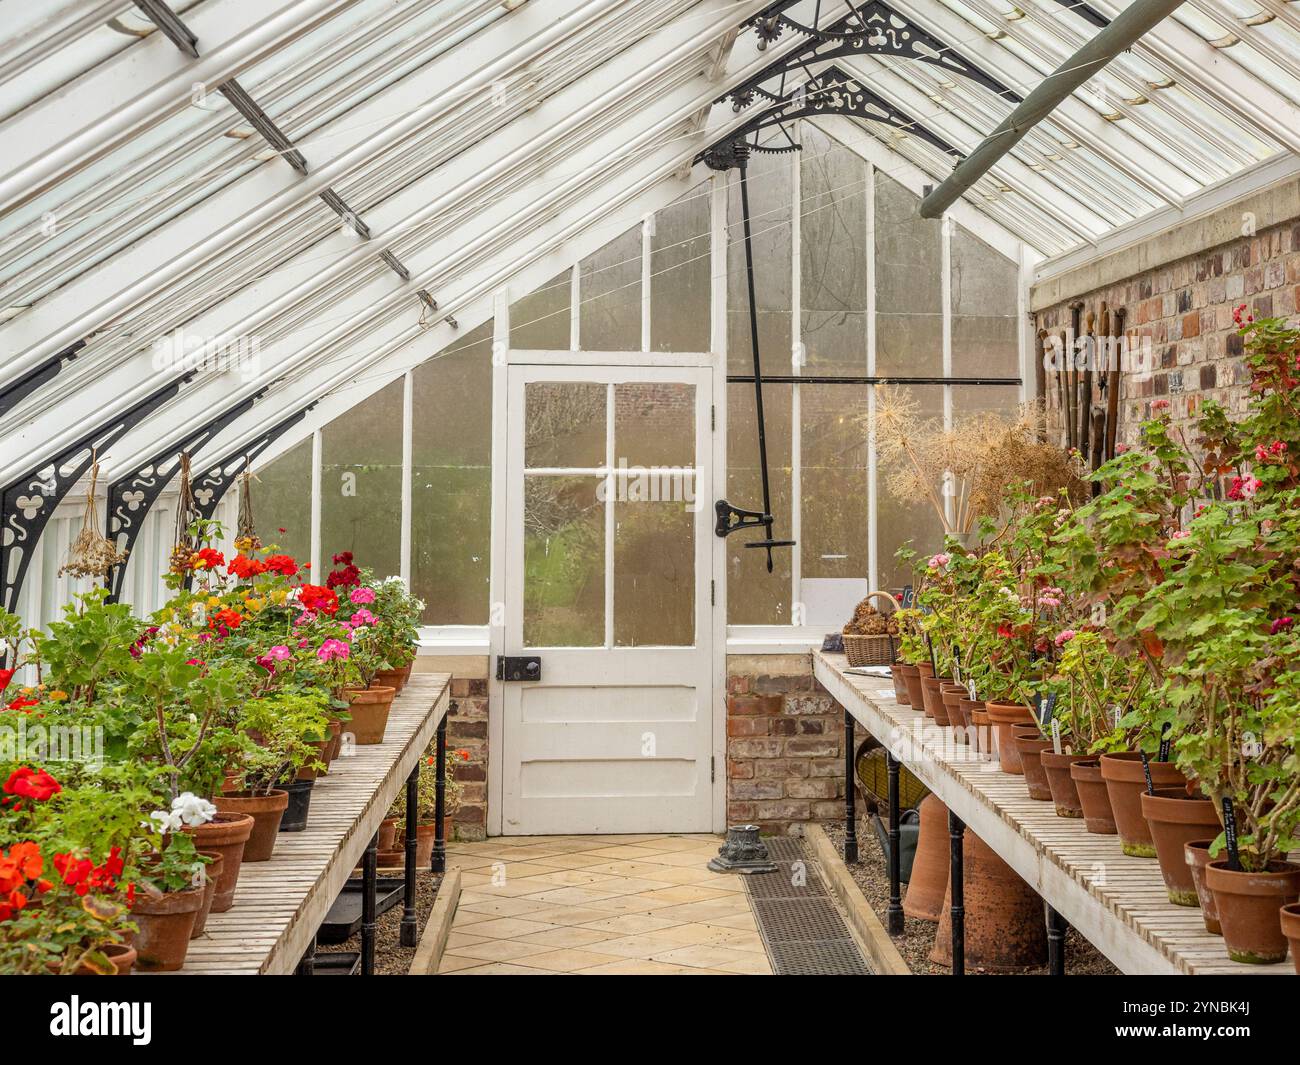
519 667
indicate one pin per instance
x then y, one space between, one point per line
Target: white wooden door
608 552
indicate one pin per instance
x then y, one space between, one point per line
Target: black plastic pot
295 817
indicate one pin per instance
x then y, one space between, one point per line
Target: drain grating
802 930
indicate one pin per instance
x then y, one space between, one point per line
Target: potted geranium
426 810
397 630
172 887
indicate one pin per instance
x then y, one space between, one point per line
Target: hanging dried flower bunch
184 545
247 539
92 553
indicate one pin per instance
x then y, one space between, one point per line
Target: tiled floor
599 904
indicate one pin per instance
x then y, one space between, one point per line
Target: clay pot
1056 767
1003 716
122 956
1197 854
1005 930
394 678
335 740
932 693
163 928
982 730
1250 908
321 754
1094 799
929 881
925 670
266 812
424 837
226 834
1291 929
211 876
1030 745
1125 782
912 682
900 684
952 695
1175 819
387 833
369 708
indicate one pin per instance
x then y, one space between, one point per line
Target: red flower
244 567
6 675
1280 625
1005 631
232 619
21 703
28 783
281 564
314 597
208 558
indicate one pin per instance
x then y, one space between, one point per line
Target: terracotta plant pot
932 693
1065 795
900 684
925 669
929 881
1094 799
335 740
1291 929
321 754
212 876
226 834
387 833
1005 930
266 812
966 707
952 695
122 955
1003 716
1030 745
424 836
982 731
1250 908
369 708
1197 854
394 678
912 681
162 938
1125 782
1175 819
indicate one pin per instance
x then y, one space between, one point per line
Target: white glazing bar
647 235
316 454
945 270
874 574
611 492
575 307
408 430
1024 330
797 356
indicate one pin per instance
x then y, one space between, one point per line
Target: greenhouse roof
352 181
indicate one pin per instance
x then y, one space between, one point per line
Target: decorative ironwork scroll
211 485
13 394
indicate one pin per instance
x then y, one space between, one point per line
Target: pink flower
939 561
1065 636
1281 624
333 648
1120 449
1181 534
361 616
279 653
1160 404
362 595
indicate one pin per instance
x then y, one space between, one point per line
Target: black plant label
1230 833
1048 709
1163 756
1146 768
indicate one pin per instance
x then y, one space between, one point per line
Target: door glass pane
654 573
654 424
564 562
564 425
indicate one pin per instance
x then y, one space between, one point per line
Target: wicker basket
873 650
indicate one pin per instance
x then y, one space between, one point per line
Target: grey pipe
1128 26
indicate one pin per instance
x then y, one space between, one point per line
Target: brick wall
467 729
785 744
1185 308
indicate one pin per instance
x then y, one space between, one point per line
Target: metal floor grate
802 930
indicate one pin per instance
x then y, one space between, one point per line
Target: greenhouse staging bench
280 903
1118 903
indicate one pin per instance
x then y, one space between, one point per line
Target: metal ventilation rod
1131 24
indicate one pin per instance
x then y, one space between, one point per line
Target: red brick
1191 325
766 705
748 726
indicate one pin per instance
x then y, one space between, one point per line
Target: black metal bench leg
850 805
1057 926
438 859
410 934
894 916
956 886
369 868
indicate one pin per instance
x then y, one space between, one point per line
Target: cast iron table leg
368 885
438 860
956 833
1056 929
410 935
894 915
850 812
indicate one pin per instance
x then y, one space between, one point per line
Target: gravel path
872 876
391 958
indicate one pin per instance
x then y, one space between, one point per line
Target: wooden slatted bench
1117 902
280 903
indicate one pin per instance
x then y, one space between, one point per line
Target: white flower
164 821
193 810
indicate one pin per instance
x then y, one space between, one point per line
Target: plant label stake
730 518
956 663
1146 769
1056 737
1163 756
934 666
1230 833
1038 707
1049 708
909 595
970 687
